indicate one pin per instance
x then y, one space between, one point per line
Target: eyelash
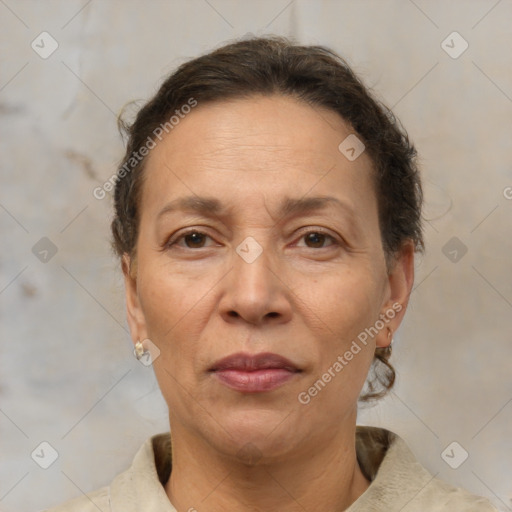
170 243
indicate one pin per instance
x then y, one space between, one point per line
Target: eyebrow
210 206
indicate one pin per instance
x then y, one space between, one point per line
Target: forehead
267 144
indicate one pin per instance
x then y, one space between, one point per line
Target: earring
390 337
139 350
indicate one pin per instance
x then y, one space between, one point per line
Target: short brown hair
317 76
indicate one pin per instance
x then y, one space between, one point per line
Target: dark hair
315 75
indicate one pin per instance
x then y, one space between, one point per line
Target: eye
192 238
195 239
317 237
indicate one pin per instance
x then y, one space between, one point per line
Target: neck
323 478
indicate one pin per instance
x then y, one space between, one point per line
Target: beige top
398 481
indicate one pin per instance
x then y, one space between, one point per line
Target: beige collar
398 481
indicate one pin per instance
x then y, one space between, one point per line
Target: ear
134 313
400 281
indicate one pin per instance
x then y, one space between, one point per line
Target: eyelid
173 239
323 231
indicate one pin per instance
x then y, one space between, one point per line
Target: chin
256 436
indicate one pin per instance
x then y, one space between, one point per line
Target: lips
254 373
248 363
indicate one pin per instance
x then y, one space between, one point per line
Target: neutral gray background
68 375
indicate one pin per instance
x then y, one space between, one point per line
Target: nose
255 291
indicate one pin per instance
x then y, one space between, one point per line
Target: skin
305 299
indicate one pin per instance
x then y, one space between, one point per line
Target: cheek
173 306
172 309
347 302
171 293
347 305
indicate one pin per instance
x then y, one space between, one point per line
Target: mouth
254 373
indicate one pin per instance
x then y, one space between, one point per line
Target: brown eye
193 240
316 239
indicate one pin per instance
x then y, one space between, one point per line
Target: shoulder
445 497
139 487
95 501
400 482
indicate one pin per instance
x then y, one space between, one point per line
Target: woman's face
301 282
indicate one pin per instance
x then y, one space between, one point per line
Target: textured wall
68 376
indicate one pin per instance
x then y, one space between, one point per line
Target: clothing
398 481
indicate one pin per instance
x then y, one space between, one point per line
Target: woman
267 213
